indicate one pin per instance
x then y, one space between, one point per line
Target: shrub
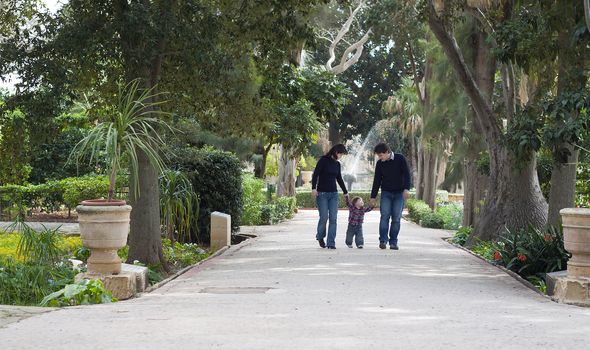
432 220
417 209
28 283
452 215
461 236
217 179
484 249
181 255
268 215
77 189
84 292
179 206
532 251
254 198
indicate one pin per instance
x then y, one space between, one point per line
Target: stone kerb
220 230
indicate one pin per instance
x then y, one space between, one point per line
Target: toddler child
356 215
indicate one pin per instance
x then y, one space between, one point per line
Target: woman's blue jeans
391 207
328 207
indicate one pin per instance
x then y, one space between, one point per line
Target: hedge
53 195
217 179
305 200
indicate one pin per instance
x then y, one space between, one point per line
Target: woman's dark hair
382 148
339 148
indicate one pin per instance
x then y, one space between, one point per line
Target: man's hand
373 202
406 194
314 194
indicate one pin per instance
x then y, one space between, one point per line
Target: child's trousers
355 231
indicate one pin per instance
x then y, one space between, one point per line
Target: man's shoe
394 247
349 245
322 243
330 247
382 245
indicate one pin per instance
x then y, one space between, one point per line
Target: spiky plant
131 126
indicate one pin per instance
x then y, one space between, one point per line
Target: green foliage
432 220
451 214
129 127
305 199
51 196
462 234
216 177
28 283
583 185
532 251
179 205
14 147
84 292
544 170
282 208
484 249
539 283
523 137
254 198
182 255
417 209
40 248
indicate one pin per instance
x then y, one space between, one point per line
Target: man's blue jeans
328 207
391 206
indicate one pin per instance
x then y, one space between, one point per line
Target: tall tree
514 199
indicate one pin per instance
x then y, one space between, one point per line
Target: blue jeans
328 207
391 207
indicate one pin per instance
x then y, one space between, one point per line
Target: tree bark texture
334 131
286 183
514 199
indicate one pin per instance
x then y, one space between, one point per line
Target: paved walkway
281 291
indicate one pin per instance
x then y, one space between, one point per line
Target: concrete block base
220 230
125 285
572 290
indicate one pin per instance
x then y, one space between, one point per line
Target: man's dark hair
382 148
339 148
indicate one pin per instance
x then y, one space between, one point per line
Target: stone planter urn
576 237
306 176
104 227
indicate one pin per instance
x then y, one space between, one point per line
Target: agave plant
179 205
128 128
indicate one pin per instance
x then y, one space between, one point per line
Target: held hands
373 202
406 194
314 193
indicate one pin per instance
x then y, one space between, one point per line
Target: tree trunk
562 193
429 177
145 242
334 131
420 171
260 168
514 199
476 183
286 182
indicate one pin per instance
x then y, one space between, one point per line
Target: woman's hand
314 193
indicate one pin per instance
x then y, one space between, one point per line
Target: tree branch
482 109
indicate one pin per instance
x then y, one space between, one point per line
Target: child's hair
355 199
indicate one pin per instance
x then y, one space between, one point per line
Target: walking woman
323 185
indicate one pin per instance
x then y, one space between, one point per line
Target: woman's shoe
330 247
322 243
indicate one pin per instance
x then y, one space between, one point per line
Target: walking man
392 175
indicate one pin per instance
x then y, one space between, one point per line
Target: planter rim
103 203
575 211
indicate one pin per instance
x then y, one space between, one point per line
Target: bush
417 209
84 292
282 208
254 198
77 189
432 220
451 214
28 283
217 179
182 255
484 249
531 251
461 236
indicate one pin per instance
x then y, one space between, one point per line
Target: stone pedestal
572 290
131 280
220 230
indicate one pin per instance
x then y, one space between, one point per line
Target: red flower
521 257
497 255
547 237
